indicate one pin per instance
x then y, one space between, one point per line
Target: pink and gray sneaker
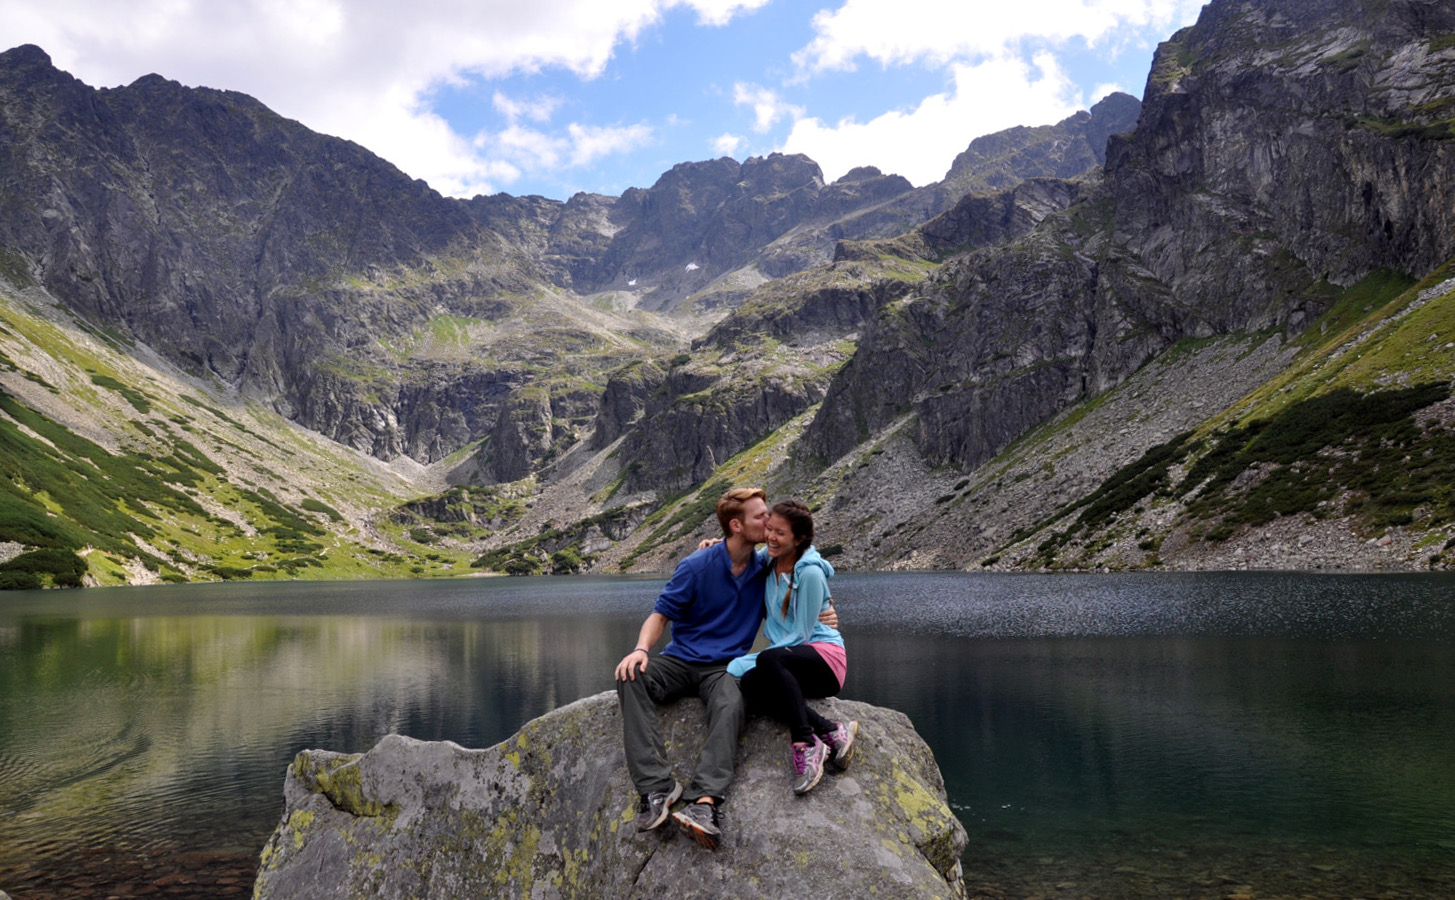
808 760
840 743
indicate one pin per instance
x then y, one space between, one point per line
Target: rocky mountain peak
859 173
780 173
27 57
1064 150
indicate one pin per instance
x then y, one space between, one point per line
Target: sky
552 97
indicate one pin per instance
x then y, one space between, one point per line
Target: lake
1148 735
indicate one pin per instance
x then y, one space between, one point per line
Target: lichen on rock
548 814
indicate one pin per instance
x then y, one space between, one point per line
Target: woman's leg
816 680
771 690
781 680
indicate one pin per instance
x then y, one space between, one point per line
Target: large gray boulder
548 814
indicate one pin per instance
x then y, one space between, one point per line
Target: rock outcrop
1067 149
984 220
548 814
766 363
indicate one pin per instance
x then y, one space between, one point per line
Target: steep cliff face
1281 151
567 239
1312 136
984 220
762 366
182 213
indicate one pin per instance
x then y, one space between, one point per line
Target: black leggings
778 684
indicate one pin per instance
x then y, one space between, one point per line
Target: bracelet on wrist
640 650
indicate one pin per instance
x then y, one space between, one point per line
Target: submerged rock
548 814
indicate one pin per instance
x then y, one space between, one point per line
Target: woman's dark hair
800 522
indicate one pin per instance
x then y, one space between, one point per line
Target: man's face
755 519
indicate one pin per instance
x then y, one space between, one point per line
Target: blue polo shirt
714 614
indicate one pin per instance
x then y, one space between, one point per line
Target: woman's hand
708 542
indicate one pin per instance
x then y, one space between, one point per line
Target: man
714 602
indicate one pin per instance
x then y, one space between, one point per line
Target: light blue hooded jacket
801 626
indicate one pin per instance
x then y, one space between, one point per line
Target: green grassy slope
120 470
1360 427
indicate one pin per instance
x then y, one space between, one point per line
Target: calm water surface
1100 736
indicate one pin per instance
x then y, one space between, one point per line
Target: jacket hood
810 557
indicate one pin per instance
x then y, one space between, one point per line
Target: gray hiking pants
665 680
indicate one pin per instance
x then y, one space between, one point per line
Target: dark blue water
1101 735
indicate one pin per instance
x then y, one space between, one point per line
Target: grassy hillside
120 469
1352 439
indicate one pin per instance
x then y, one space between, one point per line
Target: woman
805 658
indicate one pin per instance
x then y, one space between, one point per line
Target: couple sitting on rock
715 602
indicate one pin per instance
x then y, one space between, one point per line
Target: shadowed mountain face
189 215
244 246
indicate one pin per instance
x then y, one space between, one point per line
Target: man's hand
634 662
830 616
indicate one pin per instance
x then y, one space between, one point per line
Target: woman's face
779 536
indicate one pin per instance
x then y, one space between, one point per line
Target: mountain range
1202 330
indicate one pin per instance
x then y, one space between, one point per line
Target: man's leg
725 718
664 679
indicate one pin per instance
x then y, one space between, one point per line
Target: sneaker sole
693 830
842 759
811 785
666 809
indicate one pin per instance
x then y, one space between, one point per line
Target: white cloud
726 144
920 143
1000 59
361 69
538 110
526 149
591 142
768 107
720 12
1101 91
896 32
